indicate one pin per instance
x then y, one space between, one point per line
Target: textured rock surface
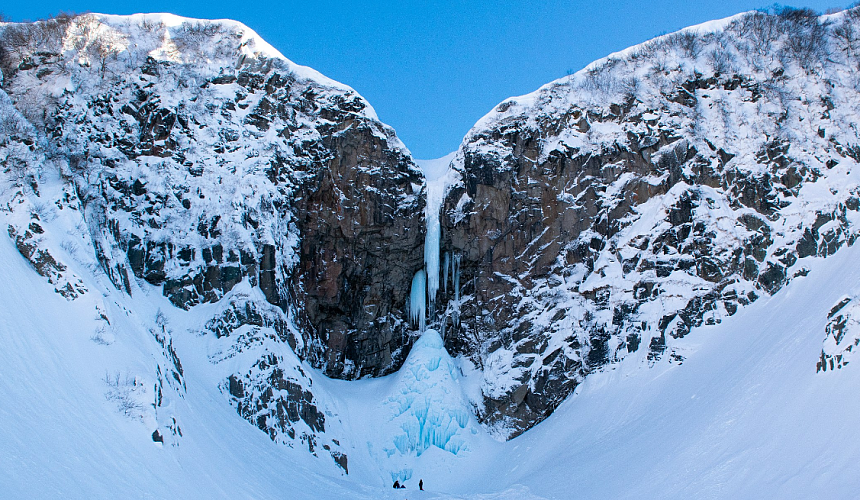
612 211
600 218
362 240
842 335
196 176
200 161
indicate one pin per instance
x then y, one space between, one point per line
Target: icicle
418 300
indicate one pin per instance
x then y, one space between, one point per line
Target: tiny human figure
396 485
421 484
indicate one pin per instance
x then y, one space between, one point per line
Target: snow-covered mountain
611 212
193 157
209 246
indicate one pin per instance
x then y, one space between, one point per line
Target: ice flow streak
418 300
431 240
438 175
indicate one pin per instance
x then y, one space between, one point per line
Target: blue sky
432 69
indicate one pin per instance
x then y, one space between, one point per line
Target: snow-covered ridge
251 44
132 32
609 213
190 160
575 86
259 46
524 103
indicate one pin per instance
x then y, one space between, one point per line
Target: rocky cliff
598 219
199 158
610 212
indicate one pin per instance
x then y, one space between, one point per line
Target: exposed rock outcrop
612 211
842 335
196 177
197 159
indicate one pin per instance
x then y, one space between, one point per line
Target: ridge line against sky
432 69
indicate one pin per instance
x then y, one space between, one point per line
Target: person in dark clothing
396 485
421 484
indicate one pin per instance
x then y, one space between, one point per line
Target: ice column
432 239
436 175
456 272
418 300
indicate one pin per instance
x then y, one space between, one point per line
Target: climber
421 484
396 485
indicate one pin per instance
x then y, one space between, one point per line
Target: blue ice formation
418 300
401 475
431 250
428 405
423 300
445 265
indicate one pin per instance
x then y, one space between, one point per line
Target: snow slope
70 430
745 416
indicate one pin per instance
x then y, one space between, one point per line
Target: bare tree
688 42
847 38
806 36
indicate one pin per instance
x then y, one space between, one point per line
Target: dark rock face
195 179
603 217
282 406
247 182
361 241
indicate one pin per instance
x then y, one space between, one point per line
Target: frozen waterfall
445 266
418 300
427 412
439 176
435 197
